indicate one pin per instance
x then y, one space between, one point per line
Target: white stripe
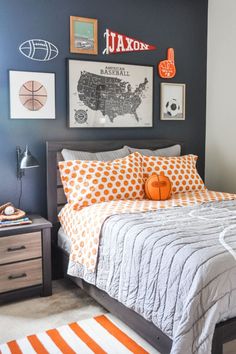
102 337
133 335
48 343
74 341
96 331
4 349
25 346
224 243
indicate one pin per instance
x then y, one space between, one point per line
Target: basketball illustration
33 95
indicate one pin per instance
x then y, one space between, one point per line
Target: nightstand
25 260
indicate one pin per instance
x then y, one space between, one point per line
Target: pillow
174 150
158 187
90 182
92 156
180 170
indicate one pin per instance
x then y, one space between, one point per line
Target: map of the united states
110 95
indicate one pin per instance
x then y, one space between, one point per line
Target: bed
224 331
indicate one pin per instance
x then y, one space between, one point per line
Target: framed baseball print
109 95
173 101
83 35
32 95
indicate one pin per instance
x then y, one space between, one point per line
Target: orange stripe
86 338
14 347
121 336
37 345
59 341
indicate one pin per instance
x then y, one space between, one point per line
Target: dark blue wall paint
181 24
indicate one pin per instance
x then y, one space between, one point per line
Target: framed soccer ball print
109 95
32 95
173 101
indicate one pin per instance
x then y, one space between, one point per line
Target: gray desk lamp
25 161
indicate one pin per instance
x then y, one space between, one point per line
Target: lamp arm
19 171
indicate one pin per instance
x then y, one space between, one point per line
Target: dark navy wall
181 24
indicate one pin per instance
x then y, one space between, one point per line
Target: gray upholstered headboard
55 194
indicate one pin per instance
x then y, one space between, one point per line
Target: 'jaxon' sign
119 43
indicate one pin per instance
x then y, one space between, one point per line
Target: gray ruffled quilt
176 267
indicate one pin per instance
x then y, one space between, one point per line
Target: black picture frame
99 109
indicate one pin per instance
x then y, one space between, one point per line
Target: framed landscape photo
173 101
83 35
109 95
32 95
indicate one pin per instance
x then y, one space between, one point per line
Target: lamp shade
28 160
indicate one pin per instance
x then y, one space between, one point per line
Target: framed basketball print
83 35
32 95
173 101
110 95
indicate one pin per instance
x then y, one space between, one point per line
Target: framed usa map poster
109 95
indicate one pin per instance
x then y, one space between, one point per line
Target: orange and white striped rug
101 334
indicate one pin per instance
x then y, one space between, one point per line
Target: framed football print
173 101
32 95
83 35
109 95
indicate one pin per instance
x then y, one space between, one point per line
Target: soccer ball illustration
172 107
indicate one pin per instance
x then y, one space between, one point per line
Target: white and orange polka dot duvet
83 226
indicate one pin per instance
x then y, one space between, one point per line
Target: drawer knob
18 248
17 276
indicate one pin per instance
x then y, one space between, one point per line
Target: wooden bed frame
224 332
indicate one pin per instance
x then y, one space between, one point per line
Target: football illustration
172 107
38 49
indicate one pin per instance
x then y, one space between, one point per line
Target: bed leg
217 350
217 345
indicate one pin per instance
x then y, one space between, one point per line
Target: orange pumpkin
158 187
167 69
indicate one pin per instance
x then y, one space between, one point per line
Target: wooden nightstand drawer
20 247
20 275
25 260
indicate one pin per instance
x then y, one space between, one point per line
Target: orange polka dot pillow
90 182
181 171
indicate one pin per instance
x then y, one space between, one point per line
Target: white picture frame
32 95
173 97
109 95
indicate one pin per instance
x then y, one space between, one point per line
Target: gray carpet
67 304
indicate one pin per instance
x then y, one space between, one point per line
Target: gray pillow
92 156
174 150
